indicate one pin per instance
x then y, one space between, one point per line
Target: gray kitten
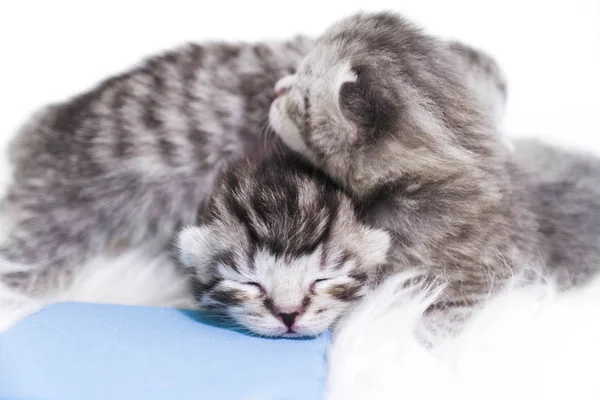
132 159
280 250
383 108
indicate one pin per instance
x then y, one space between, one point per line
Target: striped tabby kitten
382 108
131 159
279 249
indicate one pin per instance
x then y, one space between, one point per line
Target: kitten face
281 252
377 100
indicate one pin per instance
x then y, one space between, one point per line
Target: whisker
265 136
270 143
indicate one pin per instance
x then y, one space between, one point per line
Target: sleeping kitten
279 249
131 159
382 108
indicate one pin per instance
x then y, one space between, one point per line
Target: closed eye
314 284
257 286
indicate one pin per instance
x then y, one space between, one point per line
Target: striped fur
131 159
395 118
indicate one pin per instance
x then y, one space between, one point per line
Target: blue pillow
91 351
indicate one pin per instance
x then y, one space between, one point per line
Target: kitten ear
345 74
352 107
376 246
365 103
196 245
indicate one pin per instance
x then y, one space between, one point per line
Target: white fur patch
343 74
286 129
375 247
196 246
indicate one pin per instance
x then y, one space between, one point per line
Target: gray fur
388 112
280 242
132 158
485 78
564 186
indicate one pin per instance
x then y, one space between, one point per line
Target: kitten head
280 250
378 100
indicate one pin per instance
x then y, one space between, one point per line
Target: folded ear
196 245
376 245
371 244
367 103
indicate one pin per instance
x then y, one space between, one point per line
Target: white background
550 50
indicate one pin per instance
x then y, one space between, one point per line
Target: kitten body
132 159
279 249
387 111
564 191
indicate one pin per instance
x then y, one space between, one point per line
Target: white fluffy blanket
526 343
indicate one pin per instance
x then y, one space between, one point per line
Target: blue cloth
90 351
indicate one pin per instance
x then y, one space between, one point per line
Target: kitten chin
386 111
279 249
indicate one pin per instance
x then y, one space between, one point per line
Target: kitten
131 159
279 249
383 109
